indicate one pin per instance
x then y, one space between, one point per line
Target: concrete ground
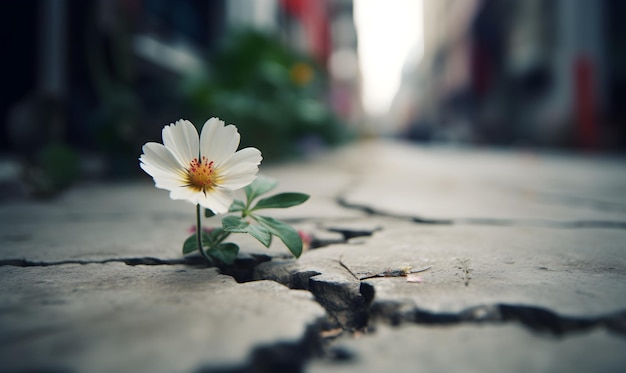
422 259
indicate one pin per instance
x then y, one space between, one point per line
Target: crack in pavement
350 305
280 356
129 261
568 200
535 318
341 201
608 224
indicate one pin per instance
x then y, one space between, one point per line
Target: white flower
203 170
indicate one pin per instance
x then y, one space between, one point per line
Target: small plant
263 228
206 170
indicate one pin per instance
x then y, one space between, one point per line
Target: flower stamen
201 175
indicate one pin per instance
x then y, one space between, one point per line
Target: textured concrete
522 260
474 184
574 272
119 318
474 348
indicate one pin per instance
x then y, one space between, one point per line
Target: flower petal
247 155
157 157
184 193
168 182
218 142
238 176
181 138
169 164
218 200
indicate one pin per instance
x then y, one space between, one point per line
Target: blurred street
465 160
519 255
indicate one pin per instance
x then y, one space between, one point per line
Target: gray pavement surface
519 262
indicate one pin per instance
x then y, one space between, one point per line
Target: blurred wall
81 63
99 78
525 72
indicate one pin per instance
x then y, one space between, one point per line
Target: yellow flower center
201 175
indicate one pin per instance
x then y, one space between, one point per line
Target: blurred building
86 64
536 72
322 28
105 75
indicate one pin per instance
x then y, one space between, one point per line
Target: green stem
199 236
222 237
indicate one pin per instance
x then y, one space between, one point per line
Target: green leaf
285 232
260 185
239 225
234 224
261 234
281 200
191 244
224 252
208 238
208 213
237 206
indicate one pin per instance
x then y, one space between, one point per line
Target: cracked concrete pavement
520 262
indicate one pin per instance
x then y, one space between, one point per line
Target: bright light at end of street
387 31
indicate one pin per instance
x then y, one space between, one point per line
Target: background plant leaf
285 232
224 252
239 225
261 233
235 224
208 213
211 236
281 200
237 206
190 245
260 185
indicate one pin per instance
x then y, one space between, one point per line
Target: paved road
421 259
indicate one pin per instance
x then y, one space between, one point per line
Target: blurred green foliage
116 120
55 167
276 97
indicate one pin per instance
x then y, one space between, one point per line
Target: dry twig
401 272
